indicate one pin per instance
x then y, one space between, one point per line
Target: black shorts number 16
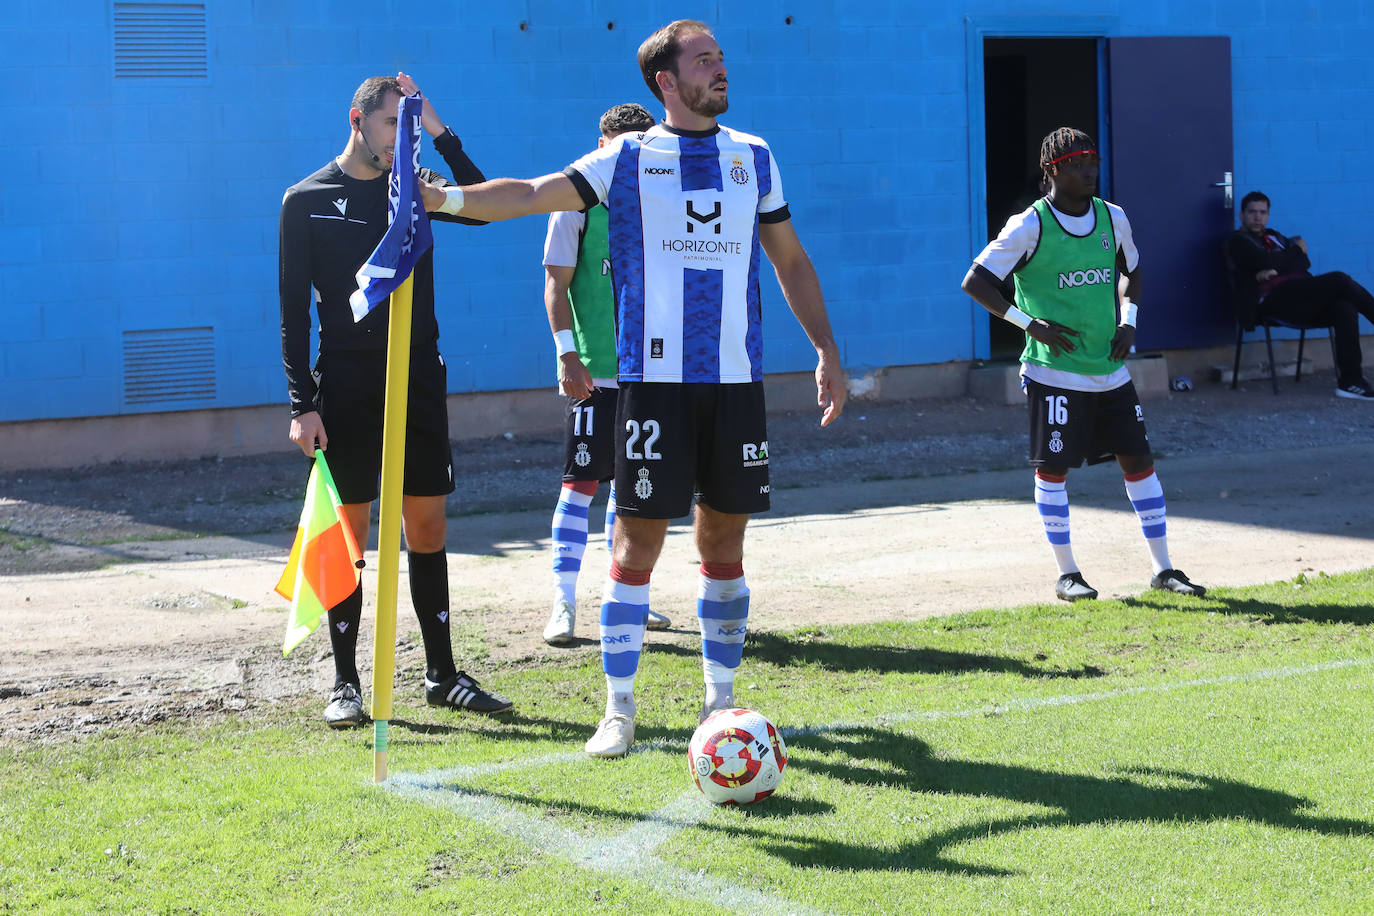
1056 410
650 432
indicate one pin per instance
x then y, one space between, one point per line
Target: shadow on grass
867 756
787 650
1270 611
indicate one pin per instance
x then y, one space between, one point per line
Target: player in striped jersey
693 206
579 301
1077 276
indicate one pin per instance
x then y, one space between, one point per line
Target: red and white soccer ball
736 757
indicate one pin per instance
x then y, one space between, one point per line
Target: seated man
1272 281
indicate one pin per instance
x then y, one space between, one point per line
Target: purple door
1170 111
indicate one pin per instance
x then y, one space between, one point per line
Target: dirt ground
134 593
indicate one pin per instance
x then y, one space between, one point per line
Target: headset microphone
375 158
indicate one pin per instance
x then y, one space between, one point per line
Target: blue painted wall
143 204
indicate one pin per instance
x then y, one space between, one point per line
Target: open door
1170 111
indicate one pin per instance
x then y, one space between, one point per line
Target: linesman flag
407 233
324 565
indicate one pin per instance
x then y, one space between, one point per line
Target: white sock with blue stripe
723 613
1147 498
624 611
570 537
1052 499
610 519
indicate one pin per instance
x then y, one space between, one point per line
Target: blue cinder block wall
135 207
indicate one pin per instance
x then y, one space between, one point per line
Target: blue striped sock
624 611
610 520
723 614
1052 499
570 537
1147 498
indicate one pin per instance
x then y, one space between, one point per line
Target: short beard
703 103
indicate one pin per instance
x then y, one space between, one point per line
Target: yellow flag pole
389 527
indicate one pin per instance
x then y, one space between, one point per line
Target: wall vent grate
171 366
160 40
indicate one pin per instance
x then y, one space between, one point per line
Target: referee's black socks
343 637
429 595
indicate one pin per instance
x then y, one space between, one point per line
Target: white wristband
564 341
1128 310
1017 317
453 201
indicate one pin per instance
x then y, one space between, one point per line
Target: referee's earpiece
357 123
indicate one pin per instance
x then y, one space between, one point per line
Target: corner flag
322 569
408 234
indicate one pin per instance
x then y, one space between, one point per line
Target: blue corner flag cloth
408 235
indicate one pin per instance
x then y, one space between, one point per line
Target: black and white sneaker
462 692
1359 391
345 708
1071 587
1172 580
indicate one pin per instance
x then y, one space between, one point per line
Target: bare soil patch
134 593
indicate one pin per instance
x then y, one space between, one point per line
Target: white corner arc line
628 861
630 852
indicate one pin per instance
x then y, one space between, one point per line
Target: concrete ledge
230 432
1001 383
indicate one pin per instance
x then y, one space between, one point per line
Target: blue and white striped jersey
685 208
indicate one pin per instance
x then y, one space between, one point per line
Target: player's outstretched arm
507 198
802 289
981 285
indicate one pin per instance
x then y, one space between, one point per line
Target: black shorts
352 392
589 428
674 441
1068 427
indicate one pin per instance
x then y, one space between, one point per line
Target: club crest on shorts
582 457
643 488
1056 442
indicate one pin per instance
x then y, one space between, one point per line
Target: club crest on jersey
1090 277
1106 246
1056 442
737 171
582 457
643 488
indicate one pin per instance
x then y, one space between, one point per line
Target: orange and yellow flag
324 565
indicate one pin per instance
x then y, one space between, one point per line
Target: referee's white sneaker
613 737
559 630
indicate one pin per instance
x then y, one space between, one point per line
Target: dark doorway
1031 86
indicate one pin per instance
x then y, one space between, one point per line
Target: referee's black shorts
350 400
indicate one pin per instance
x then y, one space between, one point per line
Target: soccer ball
736 757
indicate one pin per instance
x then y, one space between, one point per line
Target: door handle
1229 185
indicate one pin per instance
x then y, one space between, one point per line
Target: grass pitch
1147 755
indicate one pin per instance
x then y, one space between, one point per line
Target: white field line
627 855
630 853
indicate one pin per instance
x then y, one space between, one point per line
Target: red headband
1082 152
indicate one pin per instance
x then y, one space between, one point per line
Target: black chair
1266 322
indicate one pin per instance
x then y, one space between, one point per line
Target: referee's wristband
1128 310
564 341
1017 317
453 201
